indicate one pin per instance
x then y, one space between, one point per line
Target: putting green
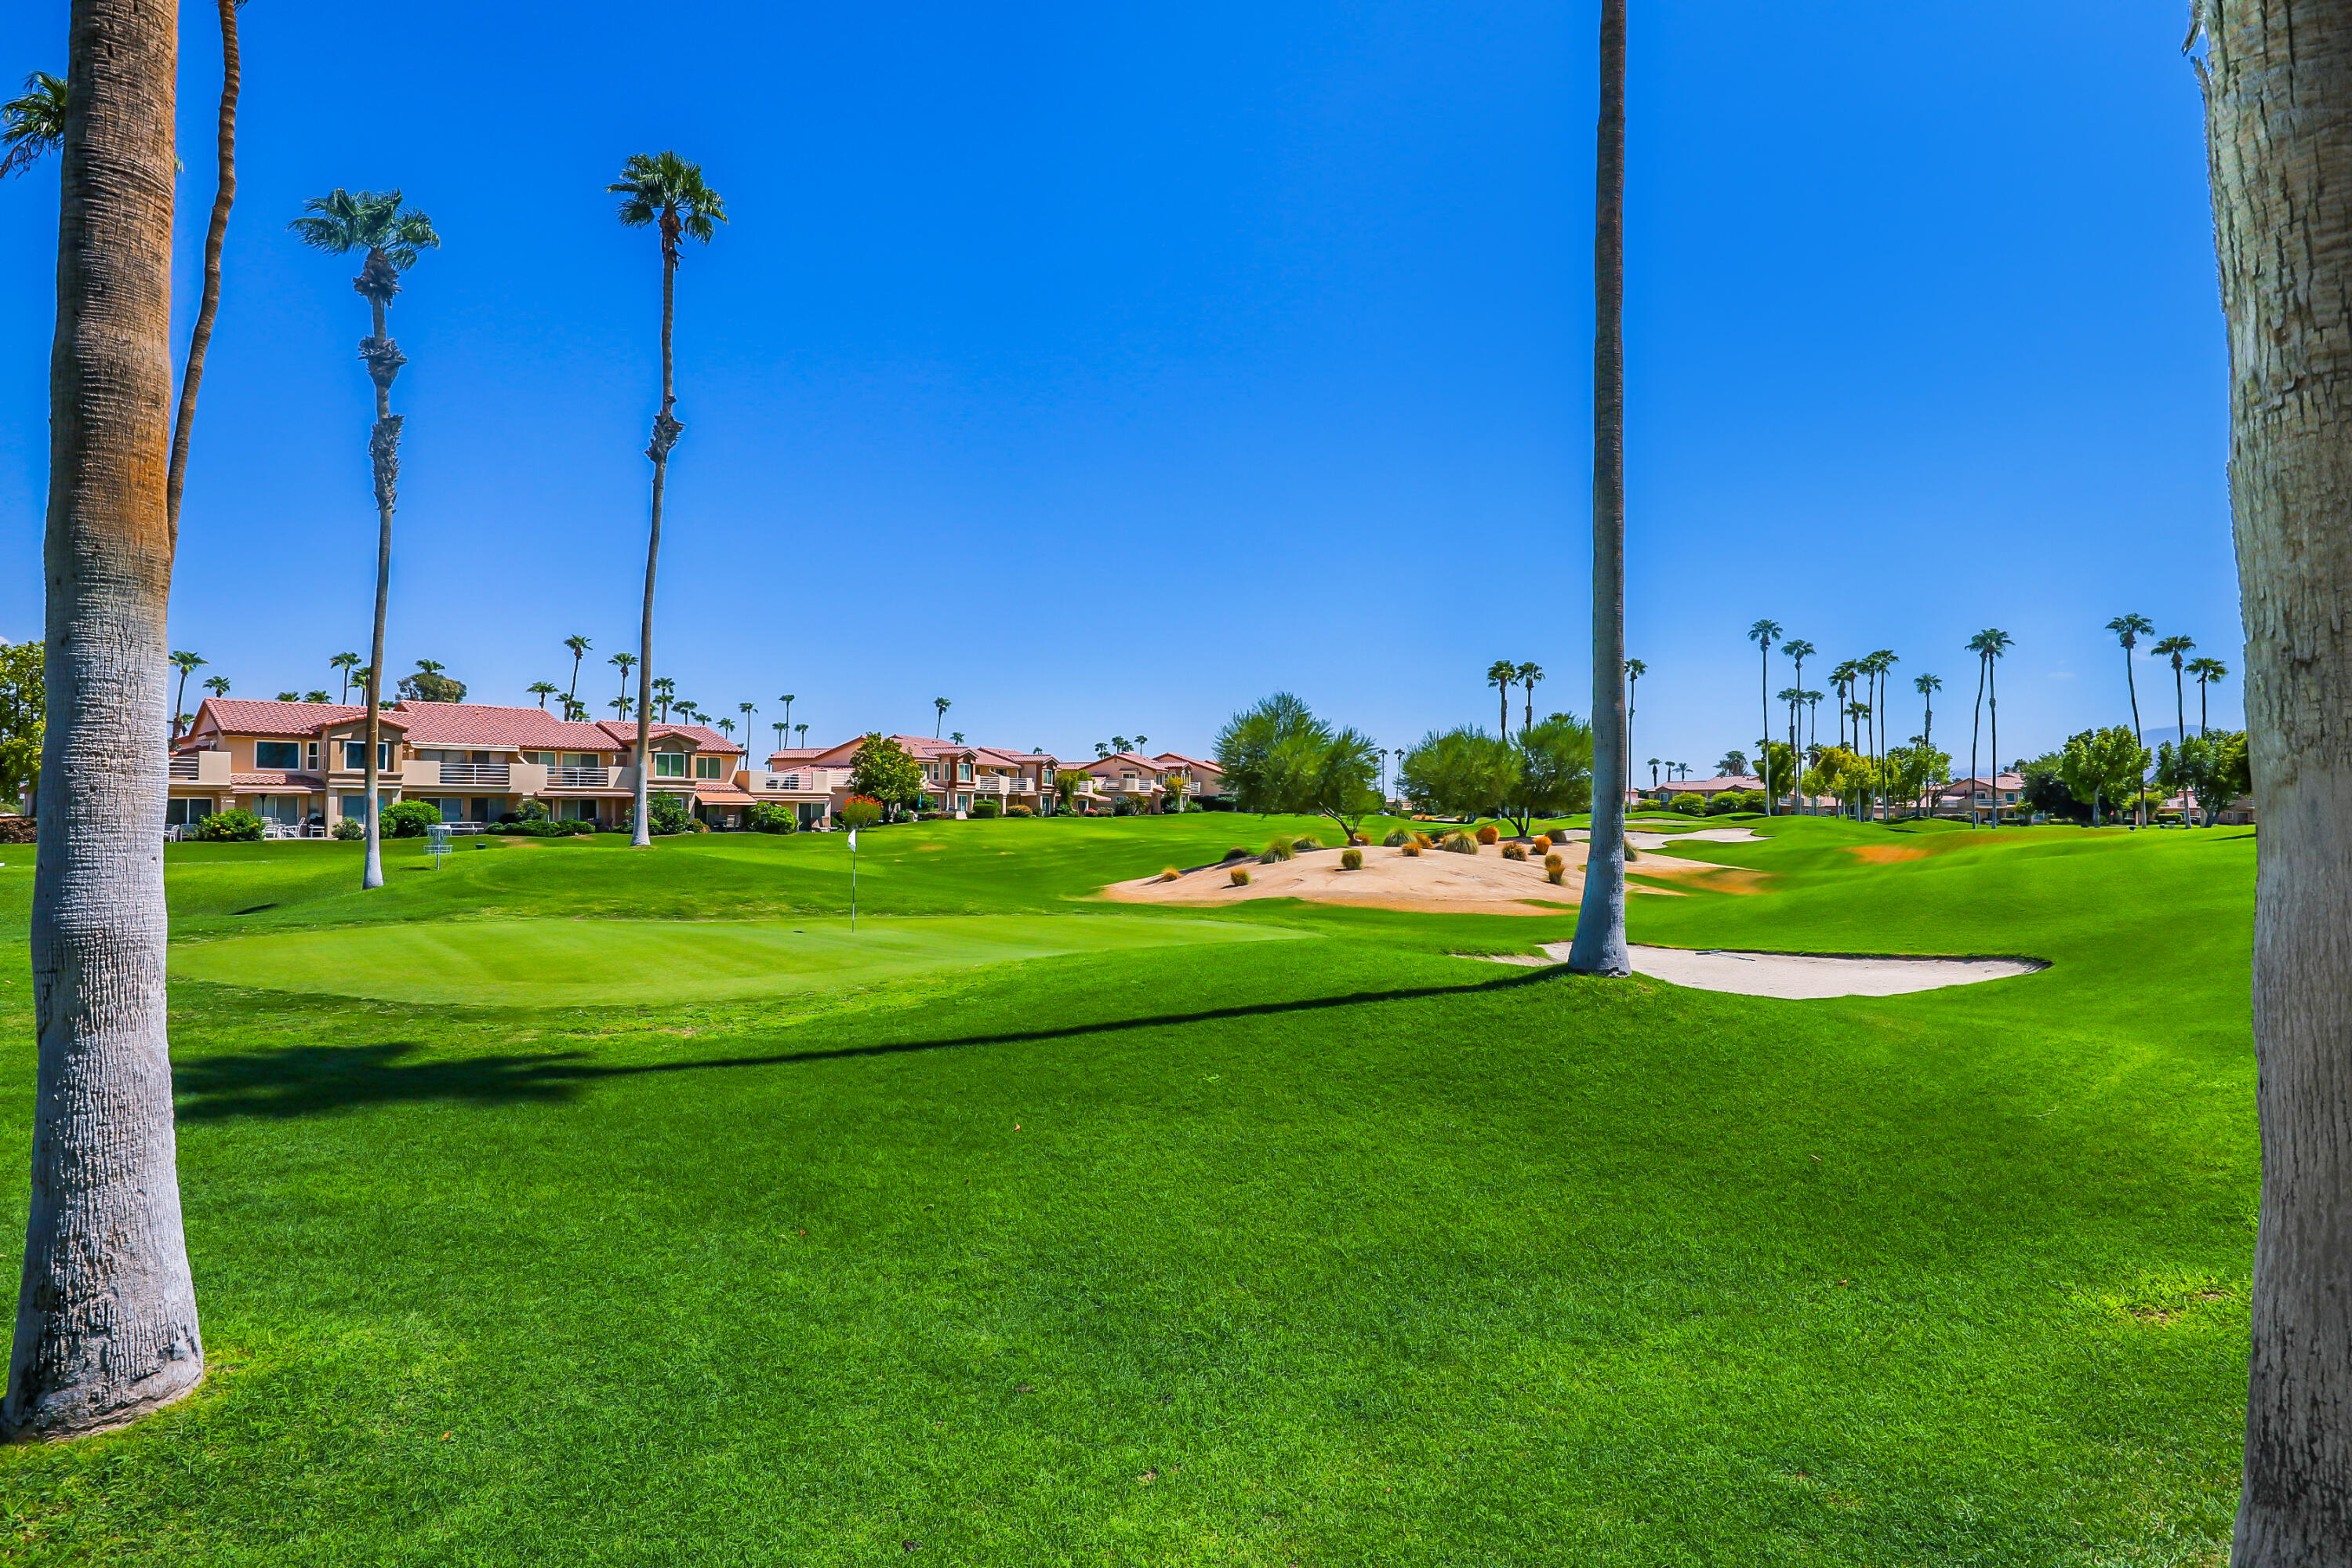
586 963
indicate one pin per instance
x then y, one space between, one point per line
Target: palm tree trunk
1502 722
106 1314
384 446
2180 703
208 302
1764 694
1976 727
1992 729
2278 81
666 434
2200 708
2131 687
1599 944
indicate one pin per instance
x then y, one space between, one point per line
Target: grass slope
1317 1252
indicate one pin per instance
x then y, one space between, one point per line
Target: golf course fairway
602 963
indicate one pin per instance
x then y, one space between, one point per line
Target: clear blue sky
1104 368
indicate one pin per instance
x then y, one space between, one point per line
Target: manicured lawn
1075 1249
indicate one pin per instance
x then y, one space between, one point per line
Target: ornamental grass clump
1542 844
1415 845
1397 839
1239 876
1237 853
1515 851
1306 842
1488 833
1351 859
1555 870
1278 848
1168 874
1460 844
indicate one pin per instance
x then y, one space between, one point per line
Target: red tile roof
713 791
240 716
626 732
274 782
1166 758
1132 758
494 725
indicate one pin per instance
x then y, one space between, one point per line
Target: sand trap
1800 977
1433 882
1641 840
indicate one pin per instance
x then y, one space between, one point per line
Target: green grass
1335 1251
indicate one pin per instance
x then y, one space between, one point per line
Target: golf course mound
1435 881
1800 977
613 963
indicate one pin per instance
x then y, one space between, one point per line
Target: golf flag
853 841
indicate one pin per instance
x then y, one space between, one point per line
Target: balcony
475 774
201 767
576 778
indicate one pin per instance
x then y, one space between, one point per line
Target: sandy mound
1800 976
1433 882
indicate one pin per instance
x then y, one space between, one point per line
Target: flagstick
853 881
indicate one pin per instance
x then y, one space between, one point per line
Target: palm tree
1764 634
779 727
625 661
1598 947
1528 674
392 236
1926 686
217 685
747 709
106 1312
1799 650
940 705
200 338
1842 679
787 701
314 697
1861 712
1635 670
663 691
801 730
1988 645
1502 675
2174 648
2206 671
346 663
33 125
2128 630
664 190
578 647
622 706
957 736
186 664
1879 666
543 690
1654 772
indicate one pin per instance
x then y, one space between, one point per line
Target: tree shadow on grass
308 1080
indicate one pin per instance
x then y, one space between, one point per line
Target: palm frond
652 184
344 221
34 124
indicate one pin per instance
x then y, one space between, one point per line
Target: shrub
543 827
986 808
1488 833
931 816
1278 848
772 816
667 815
1542 844
1237 853
1515 851
1239 876
1020 811
230 828
1351 859
1124 806
409 819
349 828
1554 863
1413 846
858 811
1306 842
1461 844
1396 838
1691 804
1556 875
1168 874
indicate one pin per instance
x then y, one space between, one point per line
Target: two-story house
956 776
299 765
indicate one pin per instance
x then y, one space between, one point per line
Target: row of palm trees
1863 710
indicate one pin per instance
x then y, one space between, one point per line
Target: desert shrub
1415 845
1239 876
1351 859
772 816
1542 844
1168 874
349 828
1554 863
1237 853
665 817
1515 851
1461 844
230 828
1488 833
1396 838
1306 842
1278 848
1020 811
409 819
1556 875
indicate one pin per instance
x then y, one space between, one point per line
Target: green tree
2099 765
430 685
22 710
33 124
2211 768
1277 756
1555 770
394 236
665 190
187 664
2207 671
345 663
1463 772
1528 674
1251 749
884 772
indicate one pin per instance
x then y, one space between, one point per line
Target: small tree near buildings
23 712
2099 765
884 772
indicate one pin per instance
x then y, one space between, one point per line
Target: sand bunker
1801 975
1433 882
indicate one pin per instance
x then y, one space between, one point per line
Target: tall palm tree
345 663
1842 679
1501 675
217 685
186 664
1926 686
779 727
663 691
1880 665
2128 630
1764 634
801 730
106 1310
787 701
1635 670
200 338
664 190
748 709
1791 698
1528 674
940 705
1799 650
33 125
1654 772
543 690
1598 947
392 236
2176 648
578 647
625 661
1990 645
2207 671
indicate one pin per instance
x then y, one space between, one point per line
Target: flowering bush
858 811
230 828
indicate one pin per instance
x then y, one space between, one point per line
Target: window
180 811
707 767
356 806
963 802
278 754
964 771
669 764
355 756
310 755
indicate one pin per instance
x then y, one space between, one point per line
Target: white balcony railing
184 767
570 778
474 774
